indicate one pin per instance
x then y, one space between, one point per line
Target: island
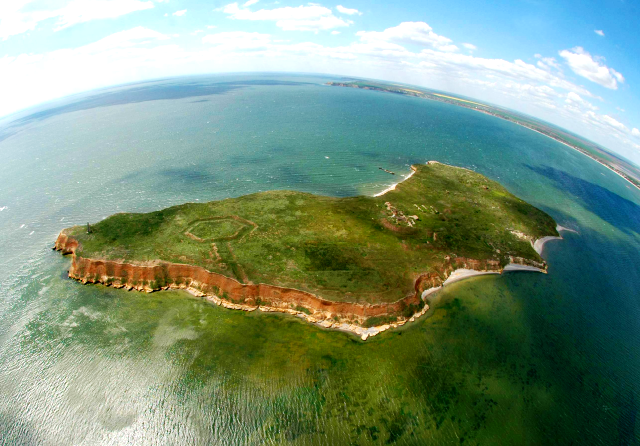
361 264
619 165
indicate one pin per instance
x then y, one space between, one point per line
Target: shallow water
522 358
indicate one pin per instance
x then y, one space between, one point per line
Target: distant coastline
474 106
620 174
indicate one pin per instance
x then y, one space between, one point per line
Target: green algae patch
356 249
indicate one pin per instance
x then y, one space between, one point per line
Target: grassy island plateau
362 264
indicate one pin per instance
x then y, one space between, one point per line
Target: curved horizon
572 67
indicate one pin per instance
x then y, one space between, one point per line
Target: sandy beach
462 273
393 186
562 228
538 245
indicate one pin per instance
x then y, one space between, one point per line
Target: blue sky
572 63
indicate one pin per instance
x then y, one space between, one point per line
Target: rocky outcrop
228 292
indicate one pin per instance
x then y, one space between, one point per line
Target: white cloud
520 71
211 26
583 64
13 20
599 32
347 11
123 39
606 121
238 40
470 46
538 95
416 33
19 16
574 100
180 13
547 63
135 53
250 2
301 18
321 24
335 33
635 132
79 11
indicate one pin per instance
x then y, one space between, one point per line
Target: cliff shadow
609 206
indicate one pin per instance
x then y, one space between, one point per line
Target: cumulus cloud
347 11
124 39
540 95
599 32
412 33
19 16
300 18
250 2
635 132
574 100
583 64
547 63
137 52
13 20
238 40
606 121
79 11
470 46
180 13
518 70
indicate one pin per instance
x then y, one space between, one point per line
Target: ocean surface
518 359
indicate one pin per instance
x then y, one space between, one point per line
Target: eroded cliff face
228 292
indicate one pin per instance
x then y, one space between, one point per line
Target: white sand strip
562 228
463 273
538 245
432 290
518 267
393 186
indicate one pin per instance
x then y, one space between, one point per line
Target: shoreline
577 149
363 333
442 98
539 244
322 319
352 316
393 186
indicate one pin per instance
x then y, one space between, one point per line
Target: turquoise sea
519 359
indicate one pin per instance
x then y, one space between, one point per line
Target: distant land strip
493 111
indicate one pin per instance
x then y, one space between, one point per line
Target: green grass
343 249
303 309
224 228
